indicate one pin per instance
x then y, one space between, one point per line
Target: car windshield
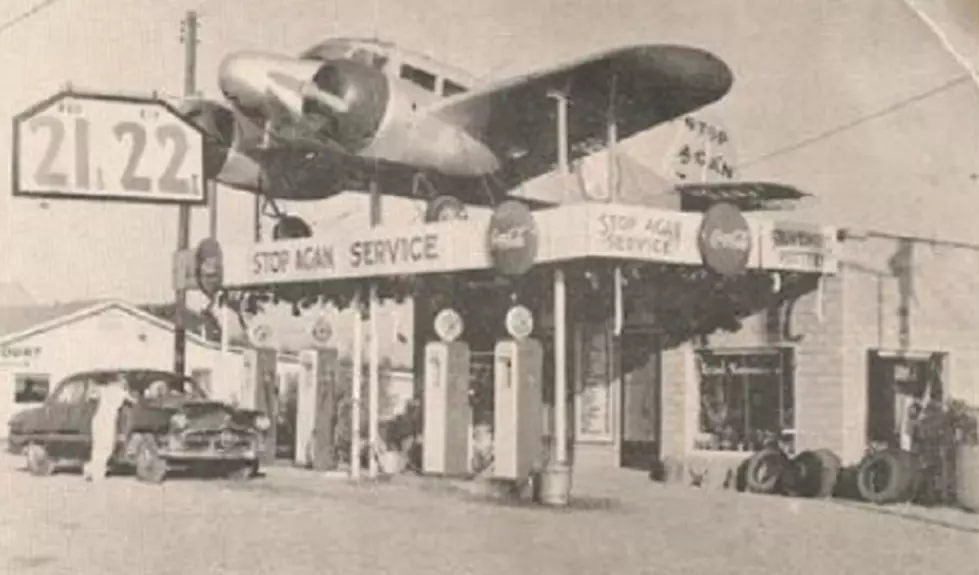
156 385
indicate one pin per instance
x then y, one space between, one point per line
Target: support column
373 383
560 370
356 382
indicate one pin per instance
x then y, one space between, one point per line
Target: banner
612 231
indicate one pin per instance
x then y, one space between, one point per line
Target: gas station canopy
624 233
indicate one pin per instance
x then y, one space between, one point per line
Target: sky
803 69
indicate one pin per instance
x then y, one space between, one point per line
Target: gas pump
315 406
446 410
518 419
261 394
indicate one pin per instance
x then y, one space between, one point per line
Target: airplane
351 113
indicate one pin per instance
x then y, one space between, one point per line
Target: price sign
108 148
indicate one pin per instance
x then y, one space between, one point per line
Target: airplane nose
242 77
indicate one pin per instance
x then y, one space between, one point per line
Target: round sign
209 266
322 330
444 209
260 334
448 325
512 238
724 240
519 322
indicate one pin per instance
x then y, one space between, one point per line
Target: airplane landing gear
286 227
291 227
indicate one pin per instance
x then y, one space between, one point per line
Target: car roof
139 373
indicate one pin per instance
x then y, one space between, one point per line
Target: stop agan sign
108 147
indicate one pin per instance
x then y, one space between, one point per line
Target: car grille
223 440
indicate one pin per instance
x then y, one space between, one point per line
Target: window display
746 399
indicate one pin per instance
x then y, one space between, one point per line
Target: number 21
44 175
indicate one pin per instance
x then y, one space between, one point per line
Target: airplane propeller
308 89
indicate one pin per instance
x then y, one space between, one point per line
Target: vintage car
172 424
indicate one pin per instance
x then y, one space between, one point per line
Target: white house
40 345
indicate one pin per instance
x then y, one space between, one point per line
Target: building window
31 388
747 398
419 77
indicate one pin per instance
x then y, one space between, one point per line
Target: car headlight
262 423
179 421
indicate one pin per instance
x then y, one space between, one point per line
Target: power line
901 104
32 11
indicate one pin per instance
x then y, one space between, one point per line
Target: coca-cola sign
724 240
512 238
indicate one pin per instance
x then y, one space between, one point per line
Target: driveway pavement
297 522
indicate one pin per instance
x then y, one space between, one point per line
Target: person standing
112 396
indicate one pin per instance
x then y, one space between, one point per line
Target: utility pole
189 38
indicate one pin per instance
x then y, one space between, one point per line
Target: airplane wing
642 86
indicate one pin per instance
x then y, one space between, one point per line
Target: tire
243 471
832 467
765 471
39 463
846 485
812 474
911 468
886 477
150 466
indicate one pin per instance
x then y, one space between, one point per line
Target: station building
829 362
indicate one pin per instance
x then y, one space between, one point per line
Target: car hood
24 418
210 414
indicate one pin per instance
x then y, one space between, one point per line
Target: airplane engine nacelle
218 124
365 94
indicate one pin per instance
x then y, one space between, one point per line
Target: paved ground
293 522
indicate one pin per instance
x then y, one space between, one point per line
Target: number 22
169 182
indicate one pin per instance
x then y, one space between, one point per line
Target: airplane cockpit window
419 77
368 57
450 88
326 51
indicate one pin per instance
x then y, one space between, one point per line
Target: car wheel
243 471
38 461
150 466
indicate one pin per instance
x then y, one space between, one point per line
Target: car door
57 425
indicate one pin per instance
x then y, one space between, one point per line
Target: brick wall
815 336
943 317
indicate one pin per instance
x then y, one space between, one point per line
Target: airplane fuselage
359 98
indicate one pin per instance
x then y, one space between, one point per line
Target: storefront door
893 381
640 367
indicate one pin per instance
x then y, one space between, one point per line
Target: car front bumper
15 445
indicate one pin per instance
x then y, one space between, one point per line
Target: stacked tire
764 471
888 476
809 474
812 474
